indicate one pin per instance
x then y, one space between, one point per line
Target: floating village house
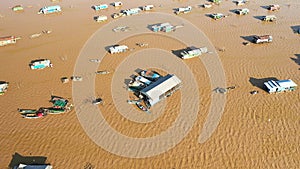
40 64
191 53
100 7
17 8
164 27
132 11
8 40
280 86
118 49
50 9
160 89
3 87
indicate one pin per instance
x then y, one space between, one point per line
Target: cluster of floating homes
126 12
59 105
150 87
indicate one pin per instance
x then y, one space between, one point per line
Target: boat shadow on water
260 82
19 159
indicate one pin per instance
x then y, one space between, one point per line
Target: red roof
7 38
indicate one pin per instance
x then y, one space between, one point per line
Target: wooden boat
133 101
97 101
27 111
152 75
37 114
102 72
141 107
53 110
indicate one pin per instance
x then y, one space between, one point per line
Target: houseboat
191 53
40 64
269 18
117 4
50 9
183 10
118 49
132 11
262 39
101 18
217 16
147 7
274 7
8 40
100 7
280 86
164 27
17 8
3 87
160 89
243 11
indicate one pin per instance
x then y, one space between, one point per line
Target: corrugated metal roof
161 86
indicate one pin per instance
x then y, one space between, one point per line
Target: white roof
161 86
286 83
280 83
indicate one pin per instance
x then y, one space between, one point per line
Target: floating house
118 49
269 18
274 7
3 87
50 9
40 64
100 7
164 27
160 89
151 75
262 39
217 16
101 18
17 8
143 80
8 40
191 53
216 1
147 7
183 10
207 5
280 86
117 15
243 11
132 11
33 166
117 4
241 2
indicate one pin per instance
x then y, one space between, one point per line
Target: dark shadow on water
127 81
265 7
177 52
151 25
3 82
259 17
296 29
209 15
260 82
233 11
107 47
19 159
297 59
248 38
138 70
